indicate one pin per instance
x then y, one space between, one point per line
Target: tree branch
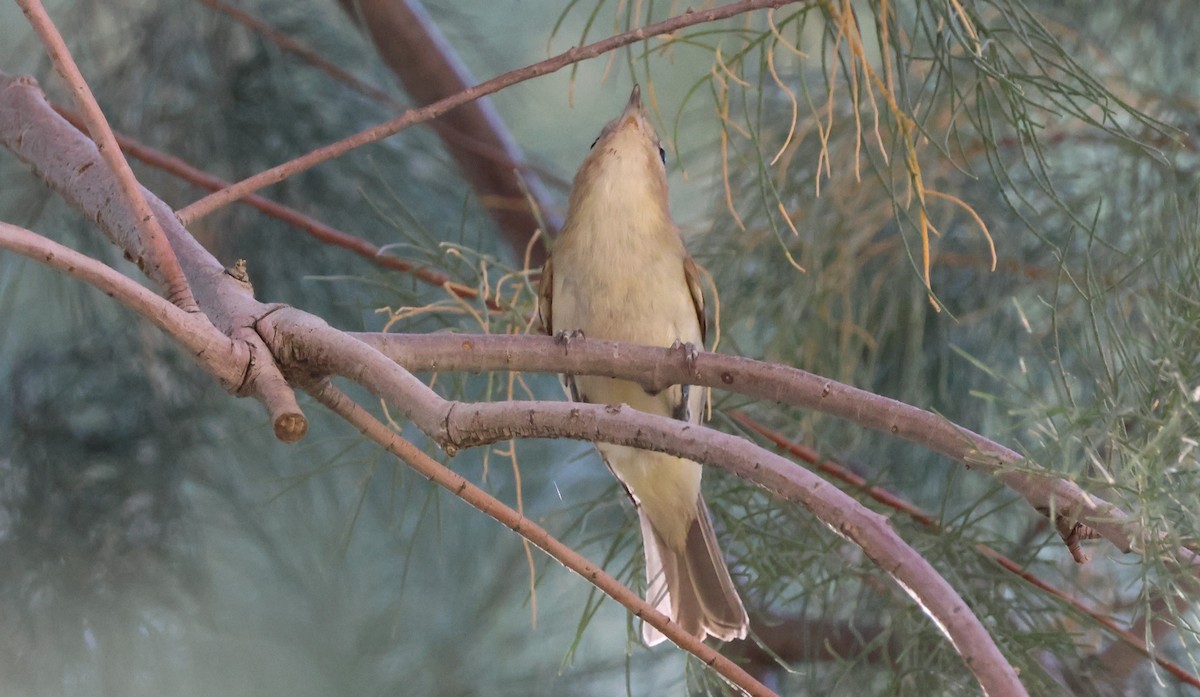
453 482
274 175
212 350
1128 650
154 255
656 368
413 47
318 230
455 425
70 164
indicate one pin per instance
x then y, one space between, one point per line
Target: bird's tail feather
691 585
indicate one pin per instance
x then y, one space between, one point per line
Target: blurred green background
157 540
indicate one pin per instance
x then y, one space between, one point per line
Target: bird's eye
597 140
662 154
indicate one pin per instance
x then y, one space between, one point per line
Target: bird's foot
564 337
690 353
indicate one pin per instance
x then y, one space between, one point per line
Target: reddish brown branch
290 45
413 47
278 173
317 229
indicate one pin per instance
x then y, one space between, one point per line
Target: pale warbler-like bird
619 271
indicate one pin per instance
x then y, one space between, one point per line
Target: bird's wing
691 272
687 408
545 291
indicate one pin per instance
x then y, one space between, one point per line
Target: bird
619 270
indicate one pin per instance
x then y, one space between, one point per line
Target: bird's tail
691 585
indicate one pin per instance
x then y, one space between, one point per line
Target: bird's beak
635 98
634 107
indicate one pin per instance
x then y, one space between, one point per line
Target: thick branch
276 174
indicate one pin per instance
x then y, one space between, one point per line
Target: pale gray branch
457 425
656 368
212 350
453 482
70 164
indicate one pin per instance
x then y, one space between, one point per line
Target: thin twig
317 229
290 45
276 174
414 48
491 152
164 266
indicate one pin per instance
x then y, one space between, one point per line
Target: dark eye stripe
597 140
663 154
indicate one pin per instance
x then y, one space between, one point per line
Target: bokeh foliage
161 543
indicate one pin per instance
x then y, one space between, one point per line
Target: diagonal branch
276 174
70 164
318 230
473 134
154 256
413 47
453 482
1129 648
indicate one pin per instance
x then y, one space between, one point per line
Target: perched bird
619 271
